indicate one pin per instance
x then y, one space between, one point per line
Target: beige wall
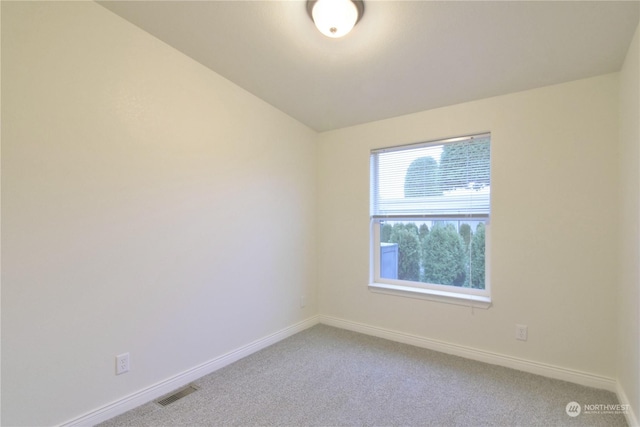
148 206
138 186
554 221
629 216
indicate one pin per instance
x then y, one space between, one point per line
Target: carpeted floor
331 377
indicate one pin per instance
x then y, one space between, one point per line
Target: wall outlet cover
122 363
521 332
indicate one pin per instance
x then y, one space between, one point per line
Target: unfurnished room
320 213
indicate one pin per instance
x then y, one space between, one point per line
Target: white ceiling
402 57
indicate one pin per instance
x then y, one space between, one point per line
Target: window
430 206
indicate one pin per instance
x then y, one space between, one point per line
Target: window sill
467 300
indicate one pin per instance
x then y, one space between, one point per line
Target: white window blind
448 178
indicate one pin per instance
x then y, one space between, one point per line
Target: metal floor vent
165 401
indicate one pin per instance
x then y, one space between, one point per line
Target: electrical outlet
303 303
122 363
521 332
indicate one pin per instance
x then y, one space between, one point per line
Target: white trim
161 388
632 420
148 394
467 300
546 370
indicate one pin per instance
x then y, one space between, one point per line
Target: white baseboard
574 376
148 394
157 390
630 415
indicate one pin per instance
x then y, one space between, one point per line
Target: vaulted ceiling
402 57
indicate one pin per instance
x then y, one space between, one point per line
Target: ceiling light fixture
335 18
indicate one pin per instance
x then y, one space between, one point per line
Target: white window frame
476 298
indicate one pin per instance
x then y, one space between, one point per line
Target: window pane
434 180
437 252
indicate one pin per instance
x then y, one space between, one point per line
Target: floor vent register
177 395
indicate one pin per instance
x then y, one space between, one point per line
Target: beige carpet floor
326 376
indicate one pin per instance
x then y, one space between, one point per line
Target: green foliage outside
422 178
440 255
423 231
464 164
443 256
412 227
408 251
466 233
477 260
460 166
385 232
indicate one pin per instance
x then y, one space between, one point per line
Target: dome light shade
335 18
